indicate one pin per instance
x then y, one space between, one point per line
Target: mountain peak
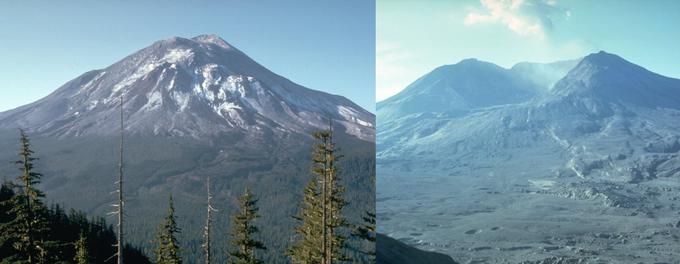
472 62
461 87
195 42
609 77
595 66
469 60
188 87
467 65
603 58
212 39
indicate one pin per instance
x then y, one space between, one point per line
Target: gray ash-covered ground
487 221
586 170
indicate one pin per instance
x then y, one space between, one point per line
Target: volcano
533 171
192 108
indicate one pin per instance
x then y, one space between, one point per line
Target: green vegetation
81 250
27 230
35 233
306 250
168 246
367 232
243 242
321 216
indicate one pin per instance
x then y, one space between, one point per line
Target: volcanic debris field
580 169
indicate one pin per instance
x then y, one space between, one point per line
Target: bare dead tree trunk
324 201
120 244
208 221
331 169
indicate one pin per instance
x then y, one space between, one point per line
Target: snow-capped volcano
187 87
193 108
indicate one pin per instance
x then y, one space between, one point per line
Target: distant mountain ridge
453 88
598 85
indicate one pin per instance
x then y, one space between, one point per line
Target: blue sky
414 37
323 45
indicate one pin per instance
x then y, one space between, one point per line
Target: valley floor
491 218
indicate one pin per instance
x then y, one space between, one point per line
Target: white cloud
531 18
393 72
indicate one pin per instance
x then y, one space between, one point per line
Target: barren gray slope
503 183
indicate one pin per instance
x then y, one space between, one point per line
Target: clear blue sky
323 45
414 36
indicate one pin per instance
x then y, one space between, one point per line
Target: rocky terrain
569 162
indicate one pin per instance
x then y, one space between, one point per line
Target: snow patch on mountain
188 87
213 39
351 114
177 55
182 99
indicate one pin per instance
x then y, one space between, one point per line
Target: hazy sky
323 45
414 37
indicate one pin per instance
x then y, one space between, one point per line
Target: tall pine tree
28 228
335 201
365 232
307 248
322 221
81 250
168 246
243 242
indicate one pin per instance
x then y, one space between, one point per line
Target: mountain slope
460 87
392 251
601 145
193 108
195 87
610 77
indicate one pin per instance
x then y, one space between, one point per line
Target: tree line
33 233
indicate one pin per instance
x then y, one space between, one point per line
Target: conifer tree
62 240
366 232
322 208
243 230
307 248
81 250
28 228
6 238
325 158
168 246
